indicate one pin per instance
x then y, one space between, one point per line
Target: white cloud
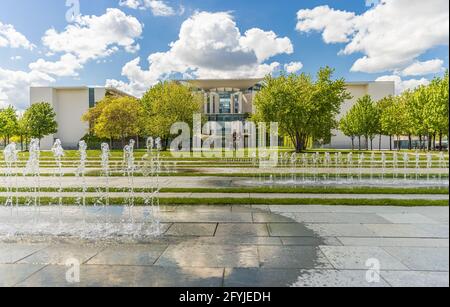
88 38
16 58
14 86
391 35
66 66
210 45
92 37
336 26
293 67
403 85
10 37
266 44
157 7
424 68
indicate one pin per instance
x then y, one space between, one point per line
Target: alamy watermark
226 140
74 10
373 273
73 271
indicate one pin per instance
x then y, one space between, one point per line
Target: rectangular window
236 104
91 98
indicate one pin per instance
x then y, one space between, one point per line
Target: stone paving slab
394 242
341 230
127 276
11 253
294 257
11 274
404 231
355 258
245 230
336 278
406 218
192 229
59 254
422 258
339 218
310 241
137 255
188 255
416 279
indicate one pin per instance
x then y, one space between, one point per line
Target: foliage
303 108
40 119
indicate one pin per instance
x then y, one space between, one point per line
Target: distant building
224 101
70 103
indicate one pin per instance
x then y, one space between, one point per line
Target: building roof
85 87
209 84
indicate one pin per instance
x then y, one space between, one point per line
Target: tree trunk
359 142
390 142
440 141
379 143
429 142
409 142
434 141
353 143
420 142
371 144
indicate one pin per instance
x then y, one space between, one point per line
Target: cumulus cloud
157 7
210 45
14 86
293 67
403 85
10 37
88 38
424 68
66 66
391 35
92 37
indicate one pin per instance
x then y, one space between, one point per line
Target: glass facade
91 98
225 103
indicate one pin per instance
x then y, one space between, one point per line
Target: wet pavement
202 246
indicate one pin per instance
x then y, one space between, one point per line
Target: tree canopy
41 120
304 108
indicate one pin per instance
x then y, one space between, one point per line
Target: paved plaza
253 246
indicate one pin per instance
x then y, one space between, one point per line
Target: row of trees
118 118
37 121
420 113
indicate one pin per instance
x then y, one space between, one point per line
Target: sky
133 44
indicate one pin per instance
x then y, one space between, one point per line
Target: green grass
253 201
268 190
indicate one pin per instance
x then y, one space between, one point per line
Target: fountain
11 156
58 154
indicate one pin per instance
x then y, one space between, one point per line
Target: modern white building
70 103
224 101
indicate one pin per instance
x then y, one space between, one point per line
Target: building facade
69 103
224 101
232 100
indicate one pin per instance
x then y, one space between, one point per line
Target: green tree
366 119
119 118
304 109
348 126
393 120
381 106
23 132
8 123
41 120
167 103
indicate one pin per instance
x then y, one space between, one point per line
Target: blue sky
160 27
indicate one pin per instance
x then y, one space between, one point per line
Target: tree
119 118
381 106
41 120
365 119
23 132
348 127
304 109
8 123
393 120
167 103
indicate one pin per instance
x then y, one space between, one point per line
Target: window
225 103
91 98
236 103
